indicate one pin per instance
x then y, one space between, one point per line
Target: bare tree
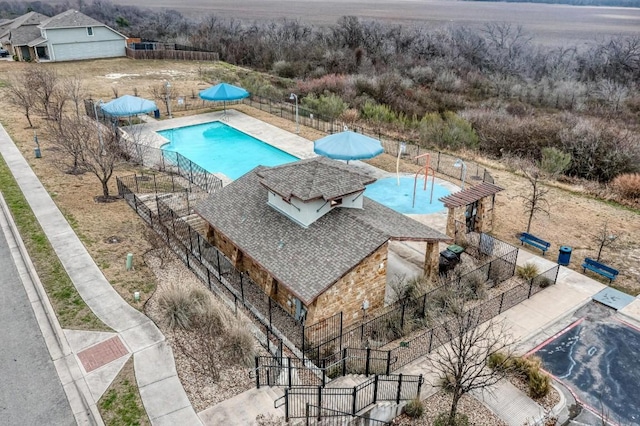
21 94
45 82
605 238
159 247
72 86
68 135
465 345
536 200
101 154
163 92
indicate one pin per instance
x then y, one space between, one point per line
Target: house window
89 31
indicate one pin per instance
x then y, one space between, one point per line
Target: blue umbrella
224 92
127 105
348 145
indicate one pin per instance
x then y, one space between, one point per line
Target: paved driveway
597 358
30 390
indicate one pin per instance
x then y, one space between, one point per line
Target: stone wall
367 281
484 217
456 214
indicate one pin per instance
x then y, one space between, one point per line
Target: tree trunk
529 221
28 118
105 189
454 407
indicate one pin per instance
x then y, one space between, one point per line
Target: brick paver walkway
102 354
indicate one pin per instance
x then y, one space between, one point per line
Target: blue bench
600 268
534 241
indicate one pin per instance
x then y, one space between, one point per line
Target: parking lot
596 358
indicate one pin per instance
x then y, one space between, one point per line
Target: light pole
459 163
167 89
292 97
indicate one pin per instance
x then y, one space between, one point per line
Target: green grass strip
71 310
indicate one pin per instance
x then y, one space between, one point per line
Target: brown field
550 24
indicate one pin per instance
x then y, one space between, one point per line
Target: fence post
399 394
375 389
270 323
340 330
135 179
388 363
501 300
289 371
257 373
355 398
306 413
319 401
530 288
187 253
344 362
155 185
286 404
438 163
242 292
430 341
420 382
367 362
218 257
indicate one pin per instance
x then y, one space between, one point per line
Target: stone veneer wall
455 214
484 216
367 281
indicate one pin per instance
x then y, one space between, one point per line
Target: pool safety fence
323 416
333 402
325 349
497 264
441 162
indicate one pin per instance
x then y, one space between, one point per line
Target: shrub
240 344
554 161
544 282
414 408
177 307
539 384
447 382
328 106
448 130
527 271
499 361
627 185
443 420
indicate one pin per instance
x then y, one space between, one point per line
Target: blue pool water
400 198
220 148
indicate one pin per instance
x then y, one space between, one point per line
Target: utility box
564 255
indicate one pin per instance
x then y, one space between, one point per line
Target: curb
89 414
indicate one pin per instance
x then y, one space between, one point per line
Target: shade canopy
224 92
348 145
127 105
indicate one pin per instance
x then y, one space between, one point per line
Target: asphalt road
597 358
30 389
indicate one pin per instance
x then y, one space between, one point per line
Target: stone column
431 261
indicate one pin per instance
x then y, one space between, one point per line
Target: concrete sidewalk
163 396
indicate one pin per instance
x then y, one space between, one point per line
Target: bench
600 268
534 241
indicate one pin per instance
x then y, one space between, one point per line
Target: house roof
22 27
71 19
316 178
470 195
309 260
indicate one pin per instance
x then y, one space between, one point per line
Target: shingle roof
23 35
28 20
314 178
305 260
71 19
470 195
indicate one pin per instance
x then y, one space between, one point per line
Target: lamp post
167 90
292 97
459 163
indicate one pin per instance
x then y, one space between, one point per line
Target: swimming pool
400 198
219 148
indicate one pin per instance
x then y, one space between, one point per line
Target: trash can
156 113
37 152
564 255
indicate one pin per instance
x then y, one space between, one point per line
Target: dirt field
573 220
550 24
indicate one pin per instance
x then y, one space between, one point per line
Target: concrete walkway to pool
99 355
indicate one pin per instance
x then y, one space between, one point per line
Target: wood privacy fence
175 55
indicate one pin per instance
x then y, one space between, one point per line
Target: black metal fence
407 315
319 416
349 400
441 162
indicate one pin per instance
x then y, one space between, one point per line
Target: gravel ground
440 402
202 390
548 402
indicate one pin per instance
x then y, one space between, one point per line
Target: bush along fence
330 402
441 162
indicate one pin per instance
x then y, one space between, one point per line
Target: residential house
68 36
305 233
